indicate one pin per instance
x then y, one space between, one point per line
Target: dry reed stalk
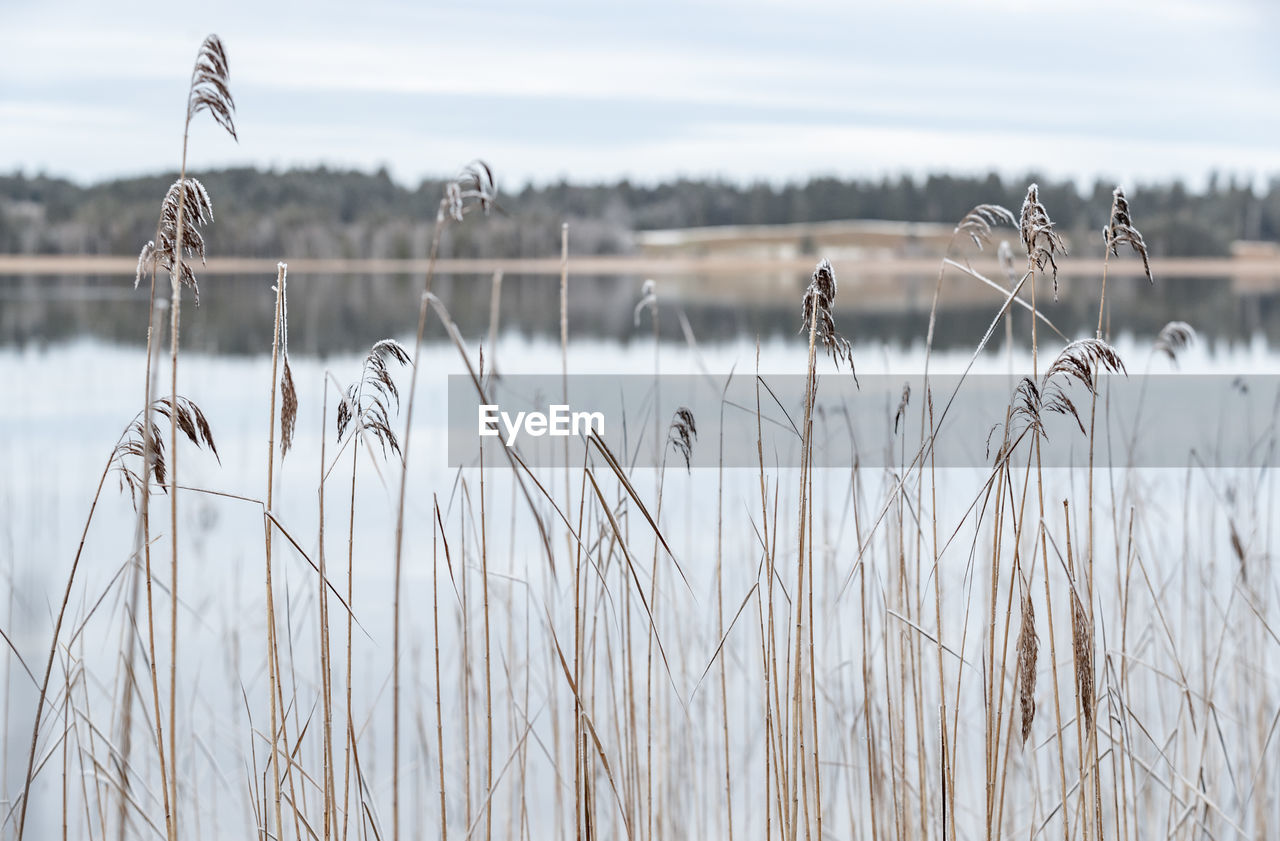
42 697
773 704
564 357
1041 243
724 691
818 319
977 224
1119 231
209 91
367 404
132 442
1023 578
395 703
488 676
495 310
273 662
350 728
991 727
580 755
435 616
151 459
1082 665
464 687
366 409
326 675
142 545
474 186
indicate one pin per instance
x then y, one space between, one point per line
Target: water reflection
336 313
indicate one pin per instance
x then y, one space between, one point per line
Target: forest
325 212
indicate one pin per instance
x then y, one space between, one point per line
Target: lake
910 569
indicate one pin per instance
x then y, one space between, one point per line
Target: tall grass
896 653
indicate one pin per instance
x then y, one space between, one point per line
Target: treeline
340 213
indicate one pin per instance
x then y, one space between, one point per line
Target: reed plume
1120 231
1043 244
473 186
1174 338
288 393
682 434
1076 363
903 402
368 401
210 90
648 300
1082 654
196 211
818 300
1028 649
288 408
1080 359
977 223
191 422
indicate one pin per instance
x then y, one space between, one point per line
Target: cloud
639 89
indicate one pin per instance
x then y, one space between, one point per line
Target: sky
593 90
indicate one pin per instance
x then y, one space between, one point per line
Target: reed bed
906 652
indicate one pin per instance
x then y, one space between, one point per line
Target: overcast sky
591 89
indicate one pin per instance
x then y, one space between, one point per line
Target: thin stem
272 655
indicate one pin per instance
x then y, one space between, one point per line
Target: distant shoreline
1182 267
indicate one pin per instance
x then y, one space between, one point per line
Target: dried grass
1028 648
819 298
1042 243
1120 231
682 433
977 223
1175 337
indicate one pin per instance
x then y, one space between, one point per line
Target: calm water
72 361
345 313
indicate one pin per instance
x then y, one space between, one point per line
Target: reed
718 683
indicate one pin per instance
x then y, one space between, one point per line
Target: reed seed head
902 406
1082 655
1081 362
818 300
1042 243
1174 338
1120 231
648 300
288 409
197 210
369 400
210 86
682 434
977 223
288 394
473 187
1028 651
189 419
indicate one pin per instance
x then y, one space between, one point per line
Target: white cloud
924 85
